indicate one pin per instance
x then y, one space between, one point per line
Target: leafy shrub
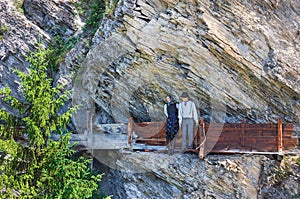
289 167
58 49
92 11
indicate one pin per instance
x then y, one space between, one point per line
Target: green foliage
110 8
58 50
64 172
42 100
3 29
289 167
19 5
41 167
298 161
283 172
92 11
9 131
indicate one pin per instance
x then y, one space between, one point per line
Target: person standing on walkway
188 117
172 126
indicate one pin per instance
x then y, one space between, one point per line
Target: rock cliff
236 59
152 175
26 23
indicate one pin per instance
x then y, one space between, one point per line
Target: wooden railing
224 138
208 137
267 138
151 133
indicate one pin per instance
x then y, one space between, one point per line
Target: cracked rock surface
236 60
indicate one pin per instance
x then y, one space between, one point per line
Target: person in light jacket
187 115
172 126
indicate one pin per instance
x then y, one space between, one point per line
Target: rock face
235 59
57 18
22 28
19 37
152 175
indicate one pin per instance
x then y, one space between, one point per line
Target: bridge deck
208 137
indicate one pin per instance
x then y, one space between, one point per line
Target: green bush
58 49
289 167
41 167
92 11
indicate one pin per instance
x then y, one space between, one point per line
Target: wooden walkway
208 137
223 138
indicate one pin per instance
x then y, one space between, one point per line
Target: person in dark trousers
172 126
188 117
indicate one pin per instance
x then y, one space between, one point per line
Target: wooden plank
288 129
269 132
161 133
215 126
224 134
202 143
243 132
260 133
290 143
147 129
224 128
288 140
288 133
144 124
268 148
214 139
220 125
151 140
150 130
197 139
279 133
251 128
231 125
260 126
155 142
266 143
196 135
222 147
145 134
130 130
288 126
261 140
230 146
251 152
230 139
222 144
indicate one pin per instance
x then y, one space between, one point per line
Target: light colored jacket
187 111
